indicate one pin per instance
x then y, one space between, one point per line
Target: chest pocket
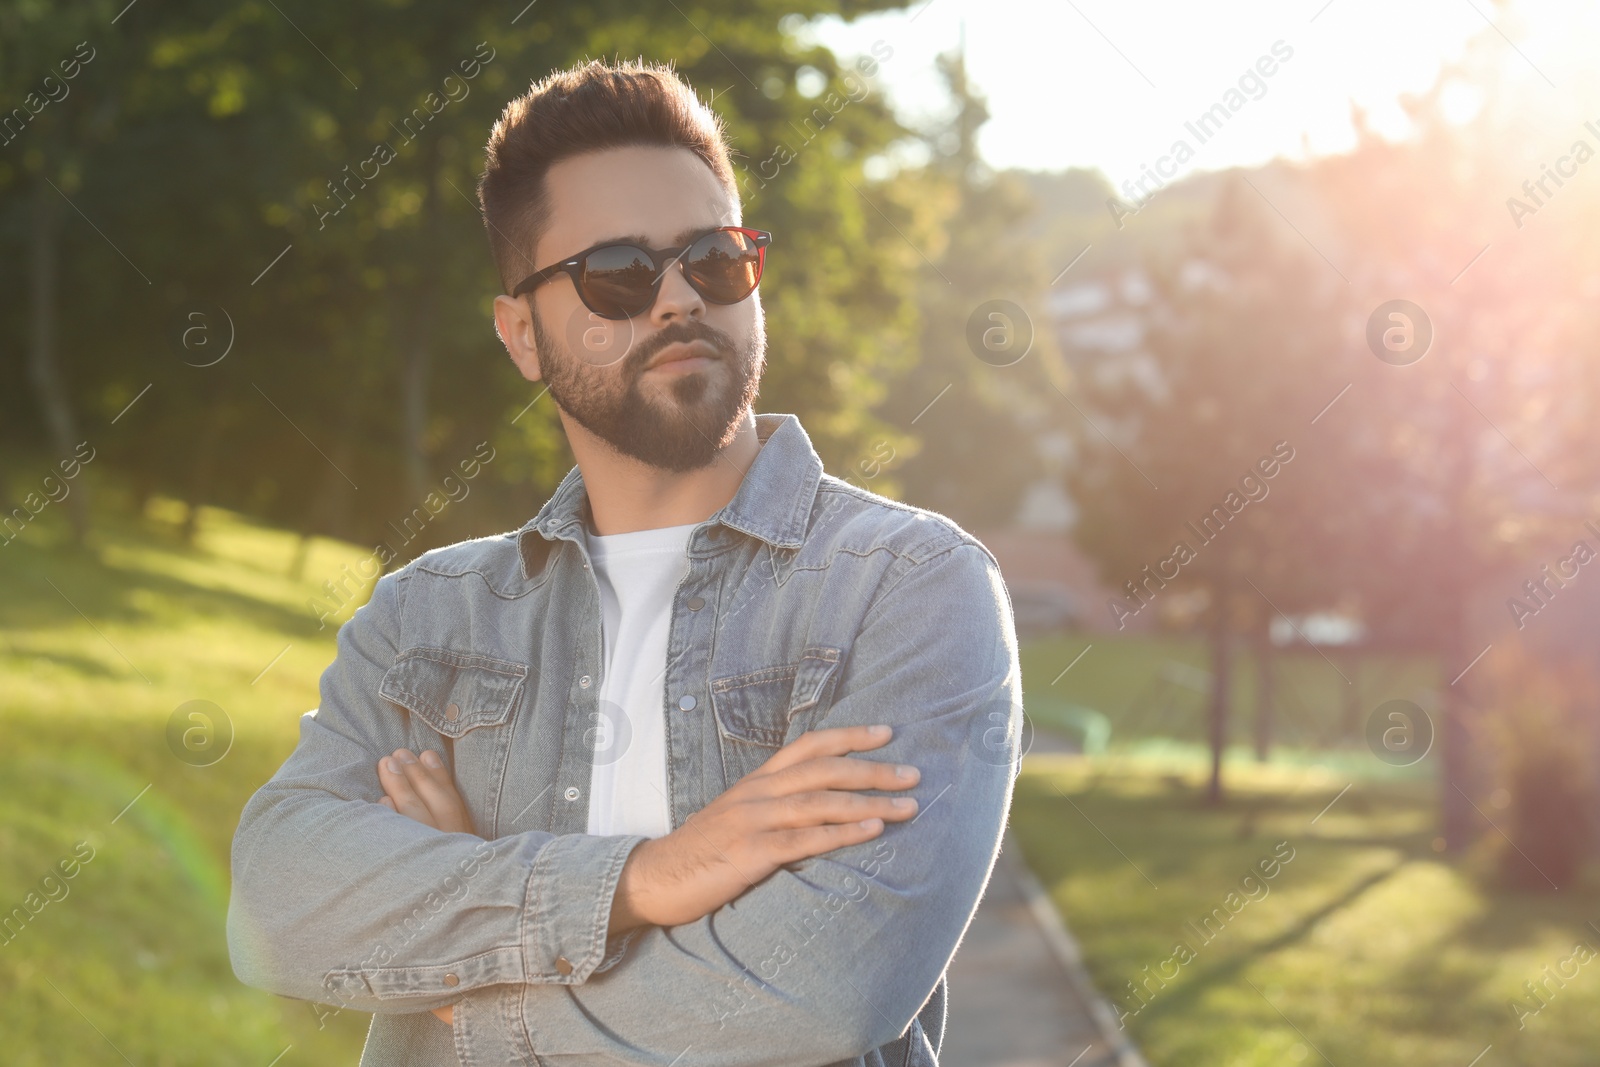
754 710
454 692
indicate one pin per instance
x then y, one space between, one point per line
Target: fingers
828 791
813 782
431 780
836 772
831 807
832 741
422 789
790 846
399 791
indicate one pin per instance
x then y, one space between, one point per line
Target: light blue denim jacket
808 603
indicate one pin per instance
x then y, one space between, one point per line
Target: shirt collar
773 502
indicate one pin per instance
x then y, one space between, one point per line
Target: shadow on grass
1520 917
80 665
49 586
1230 969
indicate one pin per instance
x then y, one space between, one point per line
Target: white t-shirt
638 574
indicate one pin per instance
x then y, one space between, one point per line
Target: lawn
98 650
1366 946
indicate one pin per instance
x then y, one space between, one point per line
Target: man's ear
513 322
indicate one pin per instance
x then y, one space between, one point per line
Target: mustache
680 333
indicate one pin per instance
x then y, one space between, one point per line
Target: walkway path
1019 996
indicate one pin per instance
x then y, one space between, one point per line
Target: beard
683 426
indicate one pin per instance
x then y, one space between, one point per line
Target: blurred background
1260 342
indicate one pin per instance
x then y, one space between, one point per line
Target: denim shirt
808 602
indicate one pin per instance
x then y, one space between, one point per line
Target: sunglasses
621 279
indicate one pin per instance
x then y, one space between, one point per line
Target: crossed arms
550 949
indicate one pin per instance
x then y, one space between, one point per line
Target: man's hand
422 789
800 803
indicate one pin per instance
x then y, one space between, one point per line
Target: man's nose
677 299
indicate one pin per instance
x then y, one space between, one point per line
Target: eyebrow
644 242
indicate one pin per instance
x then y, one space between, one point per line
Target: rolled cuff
568 909
617 948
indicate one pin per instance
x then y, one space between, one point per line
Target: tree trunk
1352 732
200 475
329 509
1221 686
302 549
1264 695
1458 822
1458 819
419 343
42 369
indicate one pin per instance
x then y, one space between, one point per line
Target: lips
681 350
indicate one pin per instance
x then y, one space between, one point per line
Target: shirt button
451 980
571 793
563 965
452 712
583 683
686 702
696 603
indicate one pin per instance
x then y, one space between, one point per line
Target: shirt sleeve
338 899
831 957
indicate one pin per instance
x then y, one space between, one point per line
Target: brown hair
587 107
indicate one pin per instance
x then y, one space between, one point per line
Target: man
584 793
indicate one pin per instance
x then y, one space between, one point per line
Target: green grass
97 650
1367 947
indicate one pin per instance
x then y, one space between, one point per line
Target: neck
626 495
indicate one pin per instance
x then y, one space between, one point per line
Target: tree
1193 476
1482 457
48 141
975 413
241 171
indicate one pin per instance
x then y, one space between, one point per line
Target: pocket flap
454 692
812 675
758 705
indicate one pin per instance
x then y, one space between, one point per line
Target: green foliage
1243 346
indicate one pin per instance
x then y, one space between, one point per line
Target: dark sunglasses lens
618 282
724 265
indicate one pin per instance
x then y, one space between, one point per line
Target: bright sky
1110 84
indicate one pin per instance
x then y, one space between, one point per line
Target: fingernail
905 770
406 757
390 765
905 802
871 824
880 730
431 758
